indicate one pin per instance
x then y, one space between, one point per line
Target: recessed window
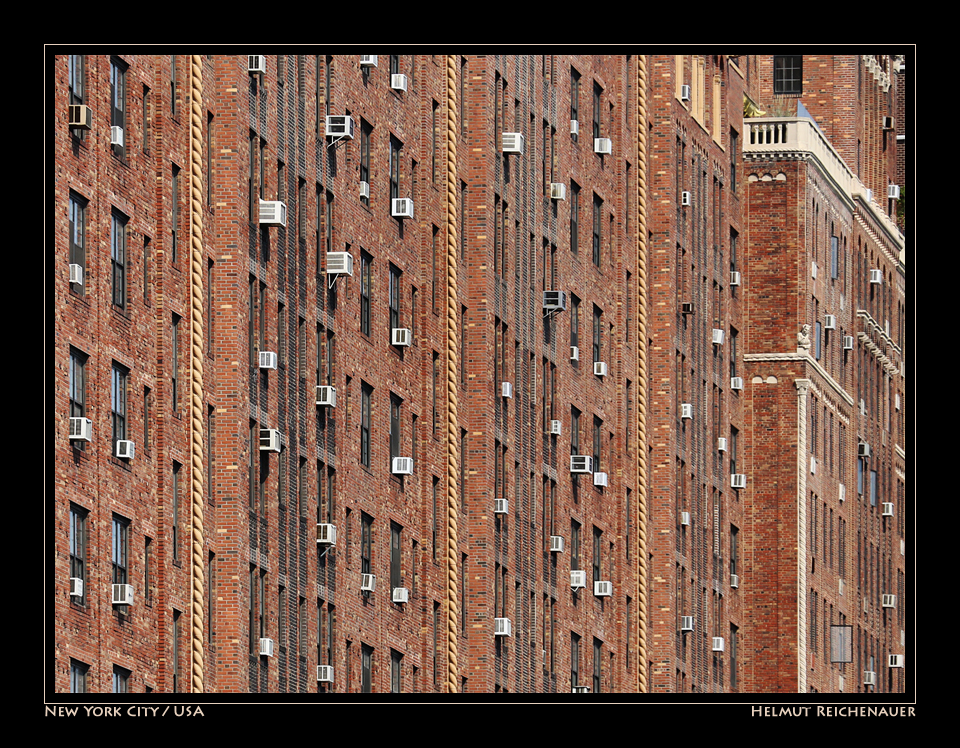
788 74
120 549
366 261
118 102
118 399
78 548
118 258
78 241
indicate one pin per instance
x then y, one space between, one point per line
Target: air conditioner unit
863 449
580 689
876 276
76 587
76 274
398 82
402 466
506 389
893 191
813 465
718 644
600 479
126 449
896 401
578 579
266 647
556 544
401 595
574 353
116 136
340 126
81 117
326 534
841 492
603 146
502 627
686 623
840 587
324 673
738 480
368 583
869 678
558 191
685 198
886 122
364 189
686 410
734 277
887 507
513 142
581 464
122 594
894 660
686 307
600 368
273 213
81 428
863 407
268 360
722 444
829 322
326 396
848 342
368 61
501 506
685 519
813 270
718 337
269 440
888 601
401 336
556 427
256 64
339 263
555 300
401 207
868 194
603 588
684 93
574 127
734 581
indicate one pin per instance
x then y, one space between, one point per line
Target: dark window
396 534
396 679
174 213
365 277
366 542
176 651
78 387
395 431
366 396
118 102
118 257
574 217
76 75
395 147
574 660
597 553
118 401
597 656
78 241
78 547
78 676
788 74
121 679
175 520
394 296
574 100
597 221
120 553
366 669
597 92
366 131
175 364
597 334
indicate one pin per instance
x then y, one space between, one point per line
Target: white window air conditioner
600 368
556 427
829 322
403 466
268 360
686 410
581 464
398 82
501 506
876 276
580 689
684 93
554 300
894 660
365 190
401 336
269 440
603 146
368 61
578 579
81 117
888 601
848 342
401 595
502 627
506 389
685 198
81 428
686 307
368 583
324 673
840 587
116 136
887 508
886 122
893 191
718 644
722 444
813 465
401 207
76 274
266 647
869 678
574 353
574 127
734 277
558 191
734 581
863 449
896 401
257 64
76 587
126 449
813 270
718 337
736 383
273 213
686 623
600 479
122 594
513 142
738 480
556 544
685 519
840 683
326 396
339 263
868 194
863 407
326 534
841 492
340 126
603 588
